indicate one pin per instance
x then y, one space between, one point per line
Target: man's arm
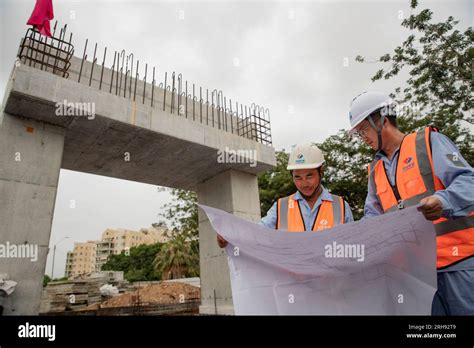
455 174
270 220
347 213
372 205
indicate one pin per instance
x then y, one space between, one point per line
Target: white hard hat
305 156
365 104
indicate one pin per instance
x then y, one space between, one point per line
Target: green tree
181 213
120 262
137 265
439 90
345 172
178 258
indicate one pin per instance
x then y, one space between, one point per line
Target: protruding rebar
144 82
200 102
112 72
121 70
84 56
102 72
164 92
136 80
94 60
152 87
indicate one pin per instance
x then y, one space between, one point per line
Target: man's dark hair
319 171
391 119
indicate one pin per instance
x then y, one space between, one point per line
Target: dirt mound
163 293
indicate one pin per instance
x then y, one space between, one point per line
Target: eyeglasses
362 132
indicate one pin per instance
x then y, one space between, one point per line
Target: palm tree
177 258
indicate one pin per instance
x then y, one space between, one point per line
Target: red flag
42 14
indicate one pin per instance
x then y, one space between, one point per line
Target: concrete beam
165 149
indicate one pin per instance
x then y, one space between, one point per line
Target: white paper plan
384 265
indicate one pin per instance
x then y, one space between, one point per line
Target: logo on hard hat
299 158
409 163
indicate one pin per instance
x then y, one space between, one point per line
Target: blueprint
384 265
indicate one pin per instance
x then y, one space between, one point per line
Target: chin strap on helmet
378 129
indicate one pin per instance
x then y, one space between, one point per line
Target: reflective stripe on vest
415 179
290 218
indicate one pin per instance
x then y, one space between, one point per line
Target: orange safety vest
415 179
289 217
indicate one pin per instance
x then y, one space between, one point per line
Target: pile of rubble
162 293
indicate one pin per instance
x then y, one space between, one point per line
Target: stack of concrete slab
72 295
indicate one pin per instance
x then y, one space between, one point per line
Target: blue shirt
455 174
309 215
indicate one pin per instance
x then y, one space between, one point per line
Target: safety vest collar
325 196
330 212
414 177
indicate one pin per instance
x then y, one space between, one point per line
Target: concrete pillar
237 193
30 160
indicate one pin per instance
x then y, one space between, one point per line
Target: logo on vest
409 163
323 224
291 204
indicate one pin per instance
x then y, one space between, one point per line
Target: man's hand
221 241
431 207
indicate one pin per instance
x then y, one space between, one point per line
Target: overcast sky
290 58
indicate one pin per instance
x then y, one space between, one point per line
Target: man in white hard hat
423 168
312 207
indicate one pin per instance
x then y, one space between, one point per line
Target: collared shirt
309 215
453 171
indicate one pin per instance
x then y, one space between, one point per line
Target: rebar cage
214 109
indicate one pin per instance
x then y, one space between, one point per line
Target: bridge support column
237 193
30 159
